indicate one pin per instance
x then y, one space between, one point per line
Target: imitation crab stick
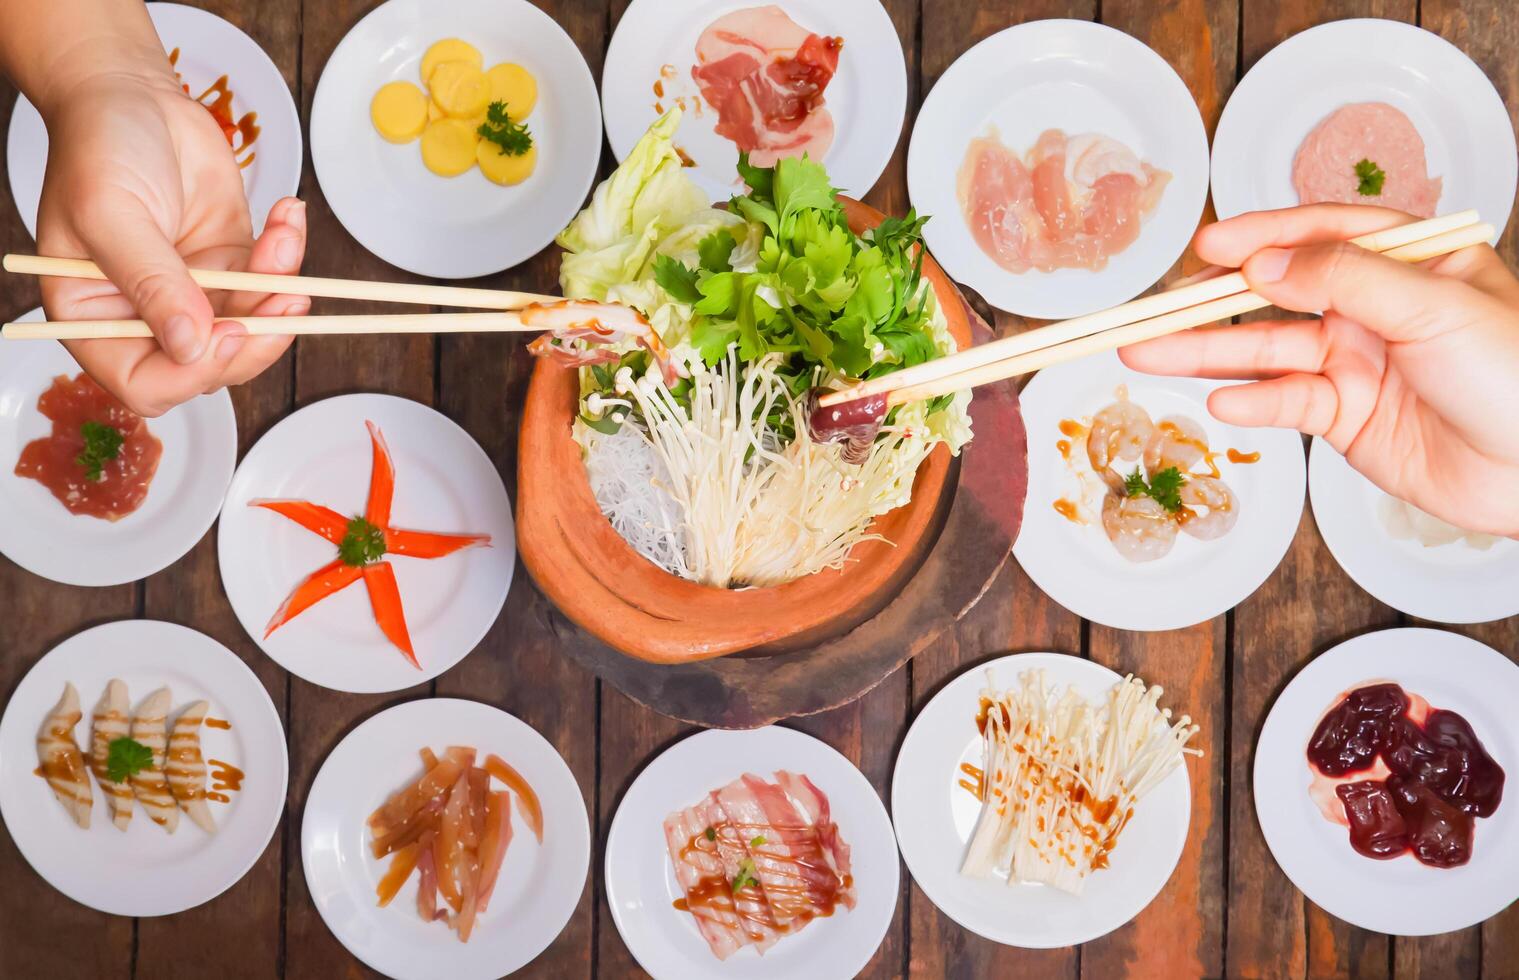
385 597
314 588
313 517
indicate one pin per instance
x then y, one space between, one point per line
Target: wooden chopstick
1158 326
393 323
1146 307
425 294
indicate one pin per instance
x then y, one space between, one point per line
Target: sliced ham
1324 168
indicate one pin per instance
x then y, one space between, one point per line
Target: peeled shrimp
1139 527
1210 494
62 762
150 784
107 724
1119 435
1177 441
186 767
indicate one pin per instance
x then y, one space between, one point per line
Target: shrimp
1139 527
1213 495
1119 433
1178 441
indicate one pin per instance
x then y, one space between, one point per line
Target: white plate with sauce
144 871
1456 582
39 534
540 883
209 47
1071 558
1468 136
444 482
1398 896
464 226
936 816
640 878
1079 77
648 72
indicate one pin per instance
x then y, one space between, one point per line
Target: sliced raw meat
698 869
1324 169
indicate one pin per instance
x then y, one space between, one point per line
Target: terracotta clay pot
612 592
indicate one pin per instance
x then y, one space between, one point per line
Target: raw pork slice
1325 166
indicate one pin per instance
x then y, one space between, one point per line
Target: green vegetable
102 443
124 757
498 128
745 876
362 544
1165 488
757 841
1371 178
711 833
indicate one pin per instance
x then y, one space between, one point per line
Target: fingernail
1268 265
288 252
182 340
297 308
230 344
295 215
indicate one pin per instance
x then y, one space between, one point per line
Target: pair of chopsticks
1178 309
501 300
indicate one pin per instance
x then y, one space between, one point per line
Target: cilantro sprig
1370 177
512 137
362 544
102 443
1164 488
124 757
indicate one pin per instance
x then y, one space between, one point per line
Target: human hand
1411 372
141 180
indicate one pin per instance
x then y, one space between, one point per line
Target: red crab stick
313 589
426 544
385 597
313 517
382 480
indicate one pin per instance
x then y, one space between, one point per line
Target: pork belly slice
813 804
790 860
699 870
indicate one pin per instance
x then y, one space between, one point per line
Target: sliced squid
62 764
187 768
110 721
149 727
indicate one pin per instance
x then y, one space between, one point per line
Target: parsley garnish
102 443
498 128
745 876
1165 488
711 833
1371 177
363 543
125 757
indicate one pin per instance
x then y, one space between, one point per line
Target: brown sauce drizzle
224 776
240 133
221 723
976 785
1235 456
802 896
1067 509
1072 428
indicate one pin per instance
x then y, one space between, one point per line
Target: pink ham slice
1324 168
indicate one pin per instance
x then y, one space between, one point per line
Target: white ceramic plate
867 97
1452 583
444 482
1077 565
1468 138
1079 77
1400 896
40 535
935 818
539 885
465 226
640 880
143 871
209 48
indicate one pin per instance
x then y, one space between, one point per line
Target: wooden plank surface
1228 910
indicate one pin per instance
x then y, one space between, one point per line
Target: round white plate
1468 138
209 48
39 534
641 885
539 885
444 482
1400 896
143 871
1452 583
1077 565
935 818
464 226
1080 77
867 96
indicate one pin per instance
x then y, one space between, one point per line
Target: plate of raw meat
752 854
1065 165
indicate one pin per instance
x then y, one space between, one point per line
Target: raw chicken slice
109 722
186 768
62 764
151 785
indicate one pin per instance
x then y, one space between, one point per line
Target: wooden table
1227 909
